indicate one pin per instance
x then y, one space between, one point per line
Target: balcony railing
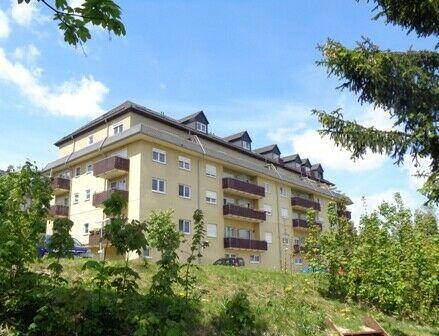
303 203
94 238
344 213
299 223
59 210
298 248
247 244
100 198
243 213
236 186
111 167
60 185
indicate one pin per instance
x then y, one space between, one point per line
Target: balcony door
244 234
119 185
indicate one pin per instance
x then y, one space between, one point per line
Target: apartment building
254 200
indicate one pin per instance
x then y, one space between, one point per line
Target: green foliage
74 22
61 243
312 241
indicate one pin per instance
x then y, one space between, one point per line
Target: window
211 230
229 255
211 197
285 239
184 226
229 232
210 170
246 145
146 253
87 195
267 187
184 163
119 185
86 227
77 171
283 191
298 261
228 200
267 209
117 129
90 139
158 156
284 213
66 201
89 168
269 237
255 259
244 234
201 127
158 185
184 191
296 241
76 198
307 169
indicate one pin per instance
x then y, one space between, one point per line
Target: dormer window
201 127
307 169
246 145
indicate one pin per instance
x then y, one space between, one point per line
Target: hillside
289 303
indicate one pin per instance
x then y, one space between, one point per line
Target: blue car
78 249
312 270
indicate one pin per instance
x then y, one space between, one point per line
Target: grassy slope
289 303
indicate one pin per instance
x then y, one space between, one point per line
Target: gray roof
236 136
266 149
317 166
290 158
306 161
194 116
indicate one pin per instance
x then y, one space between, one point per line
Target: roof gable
268 149
292 158
238 136
197 116
317 167
306 163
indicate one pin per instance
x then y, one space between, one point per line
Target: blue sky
248 64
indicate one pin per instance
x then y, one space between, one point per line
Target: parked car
236 262
312 270
78 250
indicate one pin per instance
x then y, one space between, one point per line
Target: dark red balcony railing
112 166
243 212
60 185
301 202
59 210
245 187
302 223
100 198
248 244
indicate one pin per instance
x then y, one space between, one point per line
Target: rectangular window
158 185
284 213
298 261
211 197
117 129
210 170
283 191
184 163
229 255
90 139
267 209
255 259
146 253
86 228
76 198
158 156
229 232
184 226
184 191
211 230
66 201
244 234
78 171
87 195
201 127
285 239
267 187
296 241
89 168
269 237
246 145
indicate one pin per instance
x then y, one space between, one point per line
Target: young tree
74 21
61 244
405 84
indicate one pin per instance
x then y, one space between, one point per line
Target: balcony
100 198
245 244
59 210
241 188
60 186
299 223
242 213
111 167
298 248
344 213
94 238
300 203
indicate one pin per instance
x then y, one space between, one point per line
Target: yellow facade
138 181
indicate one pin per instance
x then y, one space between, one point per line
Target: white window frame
86 228
182 228
159 152
184 163
211 170
267 187
201 127
89 171
283 191
214 228
298 261
158 185
246 145
268 210
211 200
90 139
117 128
185 188
255 259
285 239
75 198
87 195
284 213
269 237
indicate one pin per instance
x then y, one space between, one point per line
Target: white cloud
74 98
29 53
25 14
5 29
378 118
323 150
413 169
285 134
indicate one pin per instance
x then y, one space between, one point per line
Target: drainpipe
106 136
73 150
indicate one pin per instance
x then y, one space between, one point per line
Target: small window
76 198
184 191
269 237
298 261
66 201
210 170
230 232
267 209
211 230
158 156
89 168
87 195
158 185
296 241
90 139
255 259
184 163
201 127
246 145
117 129
285 239
78 171
284 213
146 253
86 228
307 169
267 187
184 226
283 191
211 197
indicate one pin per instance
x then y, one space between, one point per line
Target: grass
289 303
